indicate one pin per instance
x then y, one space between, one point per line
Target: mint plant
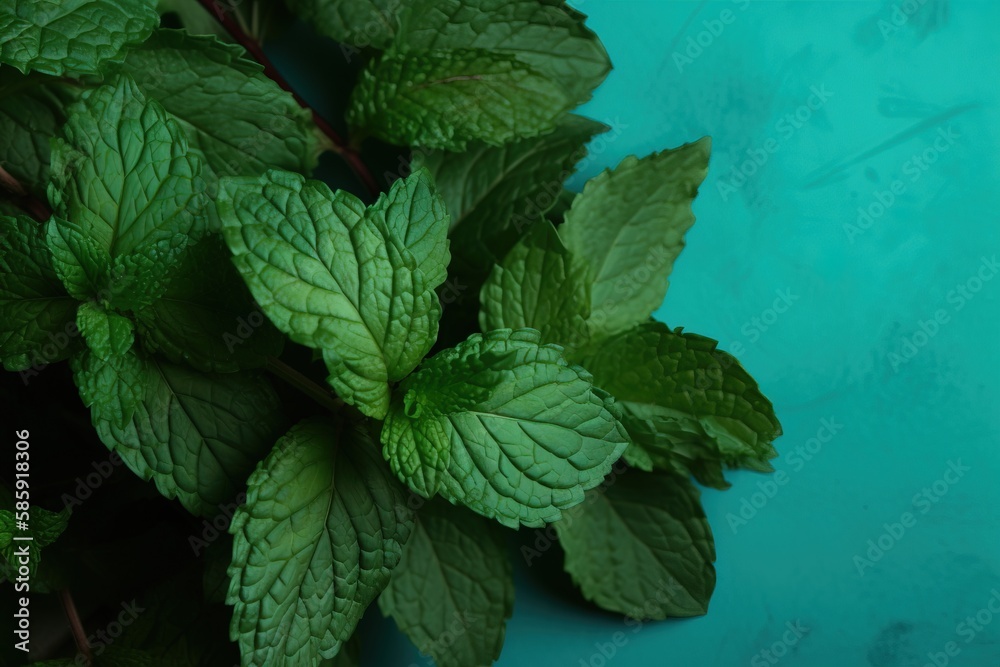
344 398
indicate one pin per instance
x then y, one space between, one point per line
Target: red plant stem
215 8
31 205
79 635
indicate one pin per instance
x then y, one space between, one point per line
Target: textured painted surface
912 99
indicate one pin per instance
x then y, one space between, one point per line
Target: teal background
854 296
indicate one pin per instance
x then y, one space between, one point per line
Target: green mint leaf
206 317
105 332
549 36
357 24
32 108
504 425
196 435
44 528
688 405
322 529
239 119
124 174
455 571
36 315
628 224
541 286
341 279
642 546
141 277
444 99
81 262
494 193
72 37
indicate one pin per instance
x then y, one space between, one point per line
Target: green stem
304 384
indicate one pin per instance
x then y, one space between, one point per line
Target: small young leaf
196 435
238 118
124 174
541 286
35 311
322 529
357 284
642 547
495 193
82 263
504 425
206 317
687 404
628 224
72 37
105 332
454 571
444 99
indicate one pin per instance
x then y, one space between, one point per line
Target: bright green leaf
72 37
688 406
123 174
642 546
495 193
455 573
196 435
504 425
541 286
628 224
322 529
357 284
36 314
206 317
444 99
105 332
237 117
